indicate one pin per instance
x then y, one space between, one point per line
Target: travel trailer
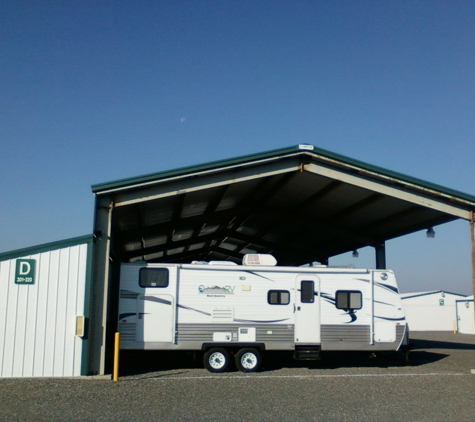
235 311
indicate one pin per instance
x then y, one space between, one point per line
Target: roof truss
299 204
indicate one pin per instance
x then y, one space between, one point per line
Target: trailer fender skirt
232 346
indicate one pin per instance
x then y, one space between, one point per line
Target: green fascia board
396 175
129 182
47 247
298 149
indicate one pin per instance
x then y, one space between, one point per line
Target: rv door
154 318
307 309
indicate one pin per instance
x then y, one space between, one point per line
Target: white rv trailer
224 309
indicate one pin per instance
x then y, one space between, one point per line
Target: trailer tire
248 360
216 359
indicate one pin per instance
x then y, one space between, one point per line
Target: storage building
431 311
303 204
44 298
465 316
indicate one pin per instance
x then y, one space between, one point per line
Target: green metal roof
46 247
123 183
302 149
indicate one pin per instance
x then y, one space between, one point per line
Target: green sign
441 302
25 271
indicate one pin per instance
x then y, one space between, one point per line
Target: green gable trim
46 247
124 183
395 175
307 150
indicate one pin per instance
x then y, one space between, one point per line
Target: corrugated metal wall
465 322
433 311
38 321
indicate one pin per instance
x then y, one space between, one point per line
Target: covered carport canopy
302 204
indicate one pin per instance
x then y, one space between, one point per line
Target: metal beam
323 226
183 223
210 209
276 218
393 191
169 245
358 206
192 183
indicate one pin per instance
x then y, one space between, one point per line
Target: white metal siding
465 316
425 312
38 321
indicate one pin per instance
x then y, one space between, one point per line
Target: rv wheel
216 360
248 360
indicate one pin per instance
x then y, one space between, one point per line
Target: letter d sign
25 268
25 271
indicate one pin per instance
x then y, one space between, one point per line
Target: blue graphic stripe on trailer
385 303
155 299
364 280
128 294
384 286
259 275
391 319
387 287
122 316
329 298
194 310
353 317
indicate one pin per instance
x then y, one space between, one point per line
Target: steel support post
472 243
100 286
380 249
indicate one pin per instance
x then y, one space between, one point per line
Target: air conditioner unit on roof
259 259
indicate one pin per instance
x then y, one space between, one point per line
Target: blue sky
97 91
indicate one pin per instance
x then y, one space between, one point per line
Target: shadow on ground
440 345
423 351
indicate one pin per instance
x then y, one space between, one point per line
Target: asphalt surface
436 385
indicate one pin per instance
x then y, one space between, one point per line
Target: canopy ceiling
302 204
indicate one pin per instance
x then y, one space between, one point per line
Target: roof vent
221 263
259 259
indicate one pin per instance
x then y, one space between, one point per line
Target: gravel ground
437 385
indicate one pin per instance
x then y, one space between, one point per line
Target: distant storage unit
465 313
431 311
43 304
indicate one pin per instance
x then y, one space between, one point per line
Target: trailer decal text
217 290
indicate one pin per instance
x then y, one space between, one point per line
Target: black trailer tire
216 359
248 360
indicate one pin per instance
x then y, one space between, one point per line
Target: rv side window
349 299
278 297
307 288
153 277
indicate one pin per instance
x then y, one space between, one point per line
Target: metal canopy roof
302 204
